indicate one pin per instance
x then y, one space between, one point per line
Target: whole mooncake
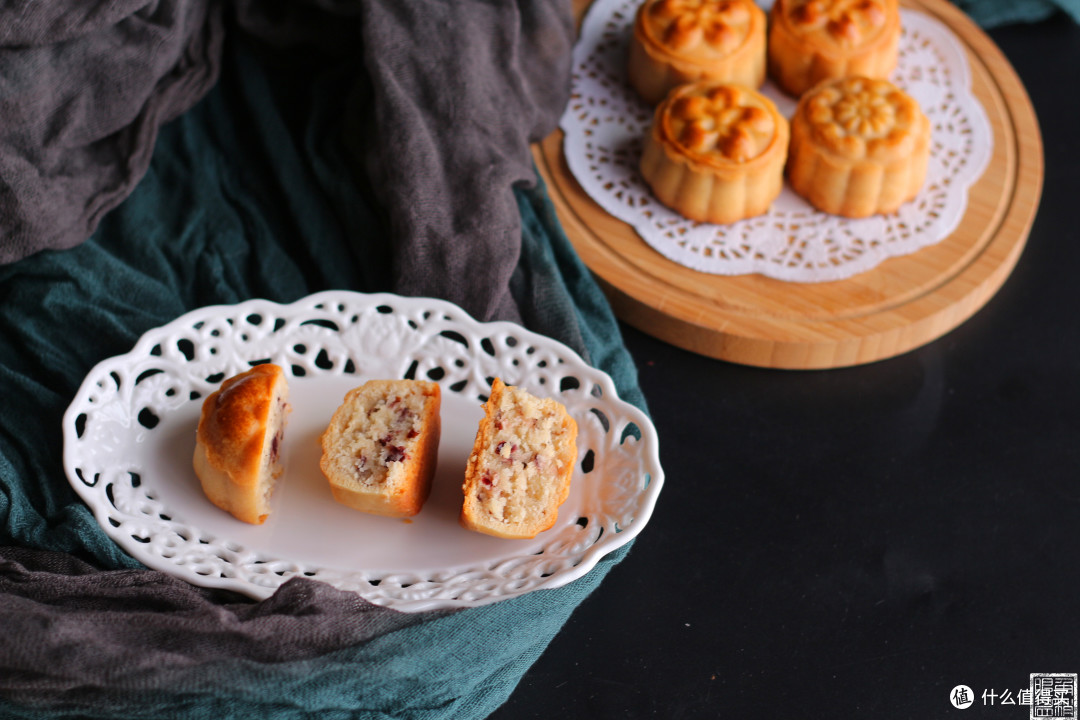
811 41
681 41
716 152
858 147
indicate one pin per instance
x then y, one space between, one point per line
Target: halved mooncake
519 471
381 446
239 439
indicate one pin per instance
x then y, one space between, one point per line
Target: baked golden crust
716 152
238 440
815 40
519 471
381 446
681 41
859 146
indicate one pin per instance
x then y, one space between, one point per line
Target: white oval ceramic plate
129 436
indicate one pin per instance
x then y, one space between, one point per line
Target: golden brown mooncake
815 40
681 41
716 152
859 146
238 441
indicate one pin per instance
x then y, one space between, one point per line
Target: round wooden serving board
901 304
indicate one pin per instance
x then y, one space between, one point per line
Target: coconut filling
379 438
521 461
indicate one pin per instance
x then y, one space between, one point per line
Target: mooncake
238 441
519 471
680 41
380 449
859 146
716 152
815 40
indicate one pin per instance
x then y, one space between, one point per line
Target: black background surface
856 542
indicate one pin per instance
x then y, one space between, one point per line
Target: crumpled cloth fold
166 619
84 88
447 99
450 134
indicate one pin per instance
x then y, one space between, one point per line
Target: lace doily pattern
113 426
605 124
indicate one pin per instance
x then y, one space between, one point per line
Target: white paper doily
129 436
604 124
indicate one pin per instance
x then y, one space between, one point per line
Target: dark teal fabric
253 194
992 13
